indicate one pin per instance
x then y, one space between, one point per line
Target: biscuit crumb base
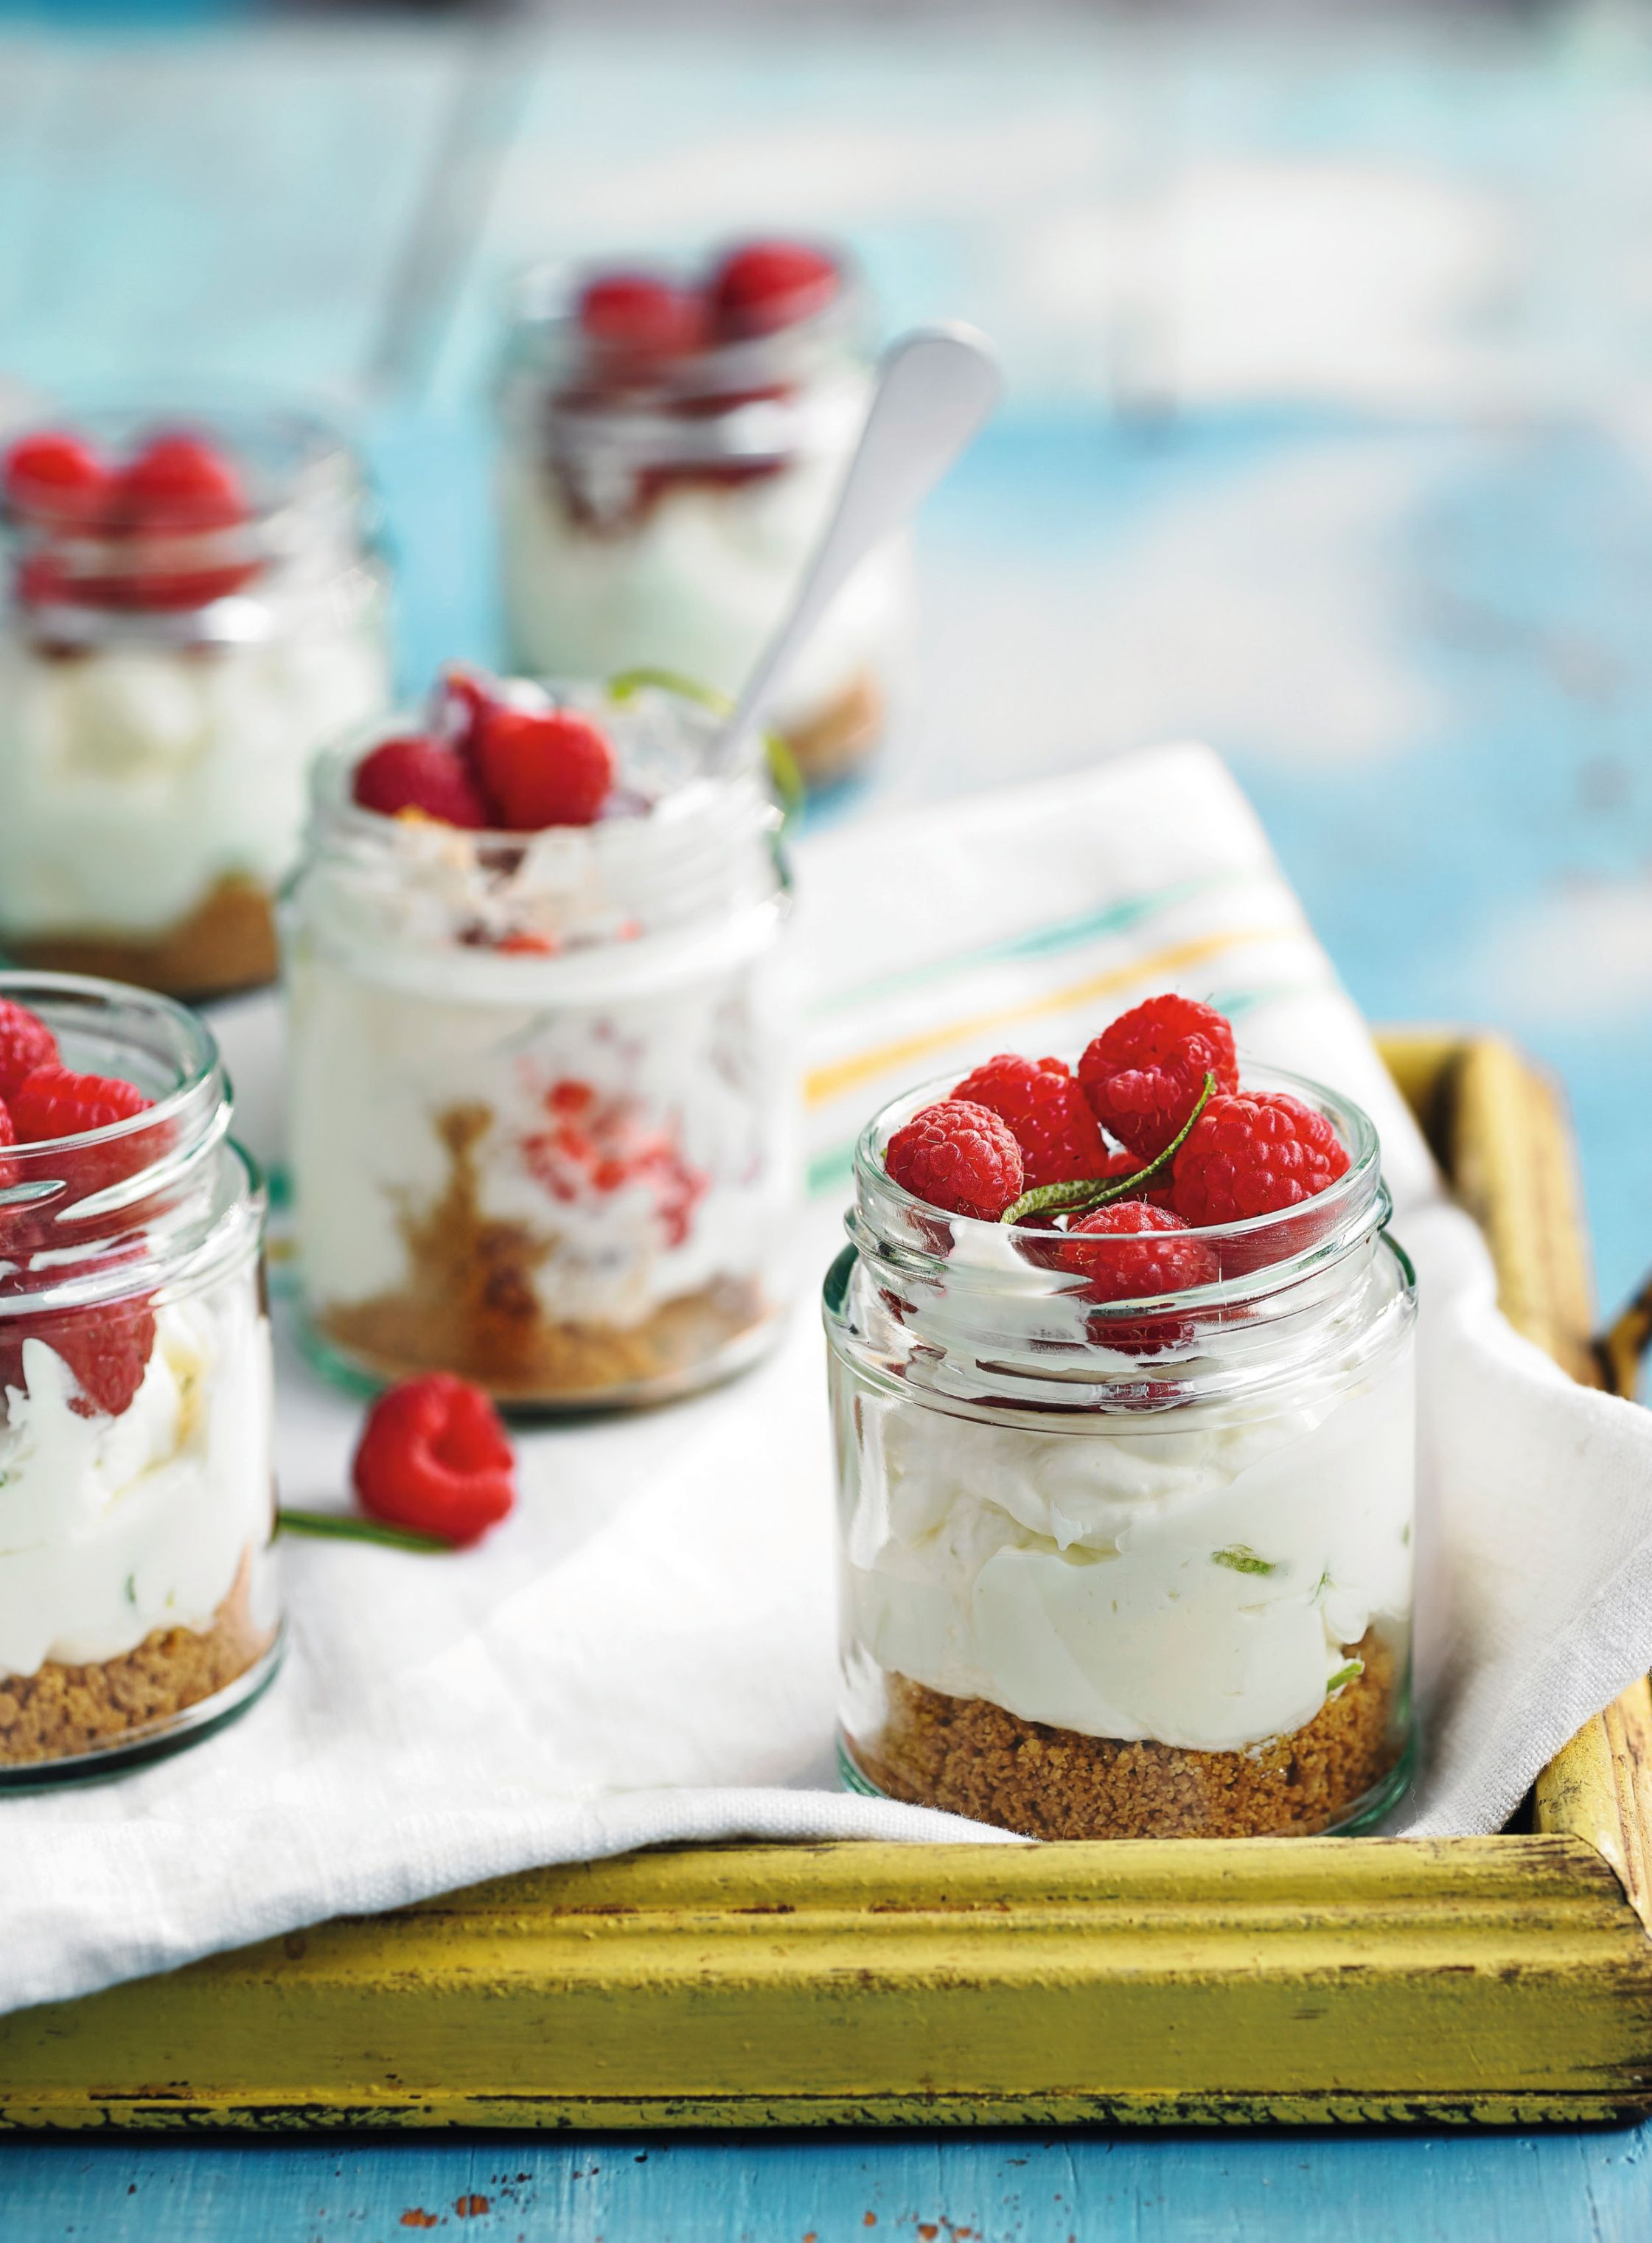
469 1306
59 1712
970 1756
837 738
227 942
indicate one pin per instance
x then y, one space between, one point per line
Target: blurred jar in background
193 605
672 445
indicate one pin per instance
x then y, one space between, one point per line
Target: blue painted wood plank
989 2188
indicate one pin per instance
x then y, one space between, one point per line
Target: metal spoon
935 388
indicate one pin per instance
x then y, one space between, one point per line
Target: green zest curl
345 1526
1351 1673
1089 1193
1243 1559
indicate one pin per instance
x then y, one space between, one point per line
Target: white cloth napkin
645 1652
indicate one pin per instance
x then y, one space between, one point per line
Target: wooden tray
1504 1980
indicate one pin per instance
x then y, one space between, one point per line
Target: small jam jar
137 1594
1127 1568
671 446
542 1098
193 606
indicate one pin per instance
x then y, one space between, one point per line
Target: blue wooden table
1328 438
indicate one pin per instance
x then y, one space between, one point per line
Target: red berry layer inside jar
161 529
107 1346
1111 1172
685 347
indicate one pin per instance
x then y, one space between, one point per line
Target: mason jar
161 691
1126 1568
659 513
543 1128
139 1602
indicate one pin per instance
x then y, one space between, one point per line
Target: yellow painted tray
1234 1982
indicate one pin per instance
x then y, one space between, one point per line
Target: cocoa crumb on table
972 1758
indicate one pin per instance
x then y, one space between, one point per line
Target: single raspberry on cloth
433 1456
1143 1075
416 773
54 1102
1047 1113
957 1156
765 286
1254 1154
543 766
25 1043
1147 1250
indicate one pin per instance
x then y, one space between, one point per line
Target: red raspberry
416 773
55 475
459 701
1143 1075
640 317
765 286
25 1043
1160 1257
107 1349
182 483
1255 1154
544 767
1046 1110
10 1170
54 1102
434 1457
957 1156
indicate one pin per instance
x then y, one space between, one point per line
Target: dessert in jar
671 446
191 610
137 1598
1121 1365
542 1132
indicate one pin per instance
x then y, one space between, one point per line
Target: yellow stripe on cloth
821 1084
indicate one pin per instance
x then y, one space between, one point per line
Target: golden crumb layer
227 942
469 1305
971 1757
839 738
60 1712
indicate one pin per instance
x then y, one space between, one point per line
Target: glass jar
162 692
660 516
542 1127
138 1595
1117 1568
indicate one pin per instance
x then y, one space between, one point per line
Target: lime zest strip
1243 1559
1351 1673
1092 1192
345 1526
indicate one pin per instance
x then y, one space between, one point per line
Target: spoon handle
935 388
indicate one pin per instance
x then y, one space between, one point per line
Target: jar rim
206 1067
889 1219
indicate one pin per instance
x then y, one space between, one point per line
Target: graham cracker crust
838 738
970 1756
227 942
469 1305
61 1712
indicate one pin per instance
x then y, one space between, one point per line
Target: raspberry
1144 1074
957 1156
416 773
765 286
1045 1110
10 1170
638 316
54 1102
54 475
543 767
107 1349
1159 1257
1255 1156
25 1043
182 483
459 701
434 1457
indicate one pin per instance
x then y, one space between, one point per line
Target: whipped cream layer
137 777
693 1061
1191 1575
112 1527
696 585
